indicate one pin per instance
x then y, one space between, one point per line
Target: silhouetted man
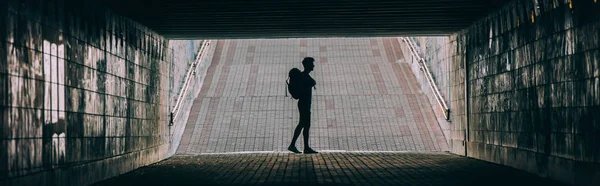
304 103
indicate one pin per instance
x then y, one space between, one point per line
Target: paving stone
326 169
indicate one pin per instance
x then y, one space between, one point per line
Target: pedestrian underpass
91 90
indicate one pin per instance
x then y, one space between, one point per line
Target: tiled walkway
366 99
326 169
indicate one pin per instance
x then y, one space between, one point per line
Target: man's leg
306 135
297 131
292 146
306 119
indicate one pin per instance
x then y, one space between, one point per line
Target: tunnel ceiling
187 19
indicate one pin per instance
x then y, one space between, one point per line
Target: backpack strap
286 86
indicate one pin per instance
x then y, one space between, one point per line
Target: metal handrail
429 77
188 77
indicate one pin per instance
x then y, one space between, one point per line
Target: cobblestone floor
326 169
366 99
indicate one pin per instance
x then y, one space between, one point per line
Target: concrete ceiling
189 19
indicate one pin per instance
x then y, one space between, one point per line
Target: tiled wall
84 93
534 99
457 105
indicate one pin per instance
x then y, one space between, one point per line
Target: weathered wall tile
11 21
3 157
4 86
536 81
596 101
81 82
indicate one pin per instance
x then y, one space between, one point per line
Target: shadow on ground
326 169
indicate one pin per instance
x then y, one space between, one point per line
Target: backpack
294 82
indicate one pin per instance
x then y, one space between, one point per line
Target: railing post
171 120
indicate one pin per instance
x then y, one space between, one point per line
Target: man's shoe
293 149
308 150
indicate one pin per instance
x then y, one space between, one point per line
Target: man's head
309 64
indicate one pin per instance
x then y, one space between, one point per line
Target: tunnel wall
533 88
84 92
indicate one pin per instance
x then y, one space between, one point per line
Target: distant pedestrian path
366 99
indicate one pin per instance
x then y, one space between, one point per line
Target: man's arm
312 82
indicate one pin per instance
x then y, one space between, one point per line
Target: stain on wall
85 93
